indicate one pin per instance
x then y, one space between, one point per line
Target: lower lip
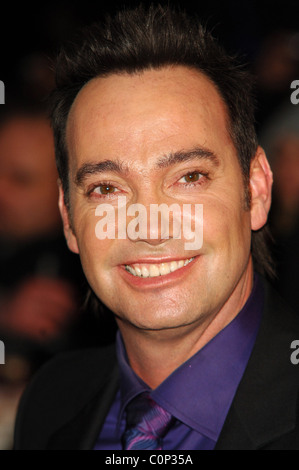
158 281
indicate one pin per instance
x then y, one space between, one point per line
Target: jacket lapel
259 413
81 432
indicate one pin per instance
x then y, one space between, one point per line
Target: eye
191 177
105 189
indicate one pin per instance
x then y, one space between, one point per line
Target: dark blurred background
32 28
42 288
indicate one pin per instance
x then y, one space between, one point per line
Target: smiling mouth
154 270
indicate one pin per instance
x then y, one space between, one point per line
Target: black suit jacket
66 403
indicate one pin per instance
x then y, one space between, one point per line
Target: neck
155 354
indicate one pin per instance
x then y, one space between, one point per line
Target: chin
156 320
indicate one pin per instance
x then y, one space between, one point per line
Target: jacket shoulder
259 417
59 389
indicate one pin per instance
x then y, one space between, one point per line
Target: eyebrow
200 153
166 161
96 168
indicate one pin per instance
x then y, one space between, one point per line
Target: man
37 275
150 109
38 298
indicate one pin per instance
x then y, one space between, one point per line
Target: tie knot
147 423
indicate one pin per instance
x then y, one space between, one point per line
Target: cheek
94 253
227 227
84 229
84 221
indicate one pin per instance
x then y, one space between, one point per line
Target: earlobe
261 180
67 227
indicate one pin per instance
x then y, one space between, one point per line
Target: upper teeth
154 270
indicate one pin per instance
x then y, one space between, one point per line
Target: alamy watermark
295 354
157 221
295 94
2 353
2 92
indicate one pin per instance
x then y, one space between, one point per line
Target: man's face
143 122
28 179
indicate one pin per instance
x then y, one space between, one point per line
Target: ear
67 227
261 180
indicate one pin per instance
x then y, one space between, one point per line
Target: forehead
156 112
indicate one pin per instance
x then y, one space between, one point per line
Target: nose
153 222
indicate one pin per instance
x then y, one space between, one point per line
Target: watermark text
157 221
2 353
295 354
295 94
2 92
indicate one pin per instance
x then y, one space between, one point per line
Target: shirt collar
200 391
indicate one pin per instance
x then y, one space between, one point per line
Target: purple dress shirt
199 393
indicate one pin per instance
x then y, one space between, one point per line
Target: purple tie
147 423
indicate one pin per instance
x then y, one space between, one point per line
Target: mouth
150 270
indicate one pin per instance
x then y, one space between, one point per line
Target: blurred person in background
30 231
41 288
280 138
